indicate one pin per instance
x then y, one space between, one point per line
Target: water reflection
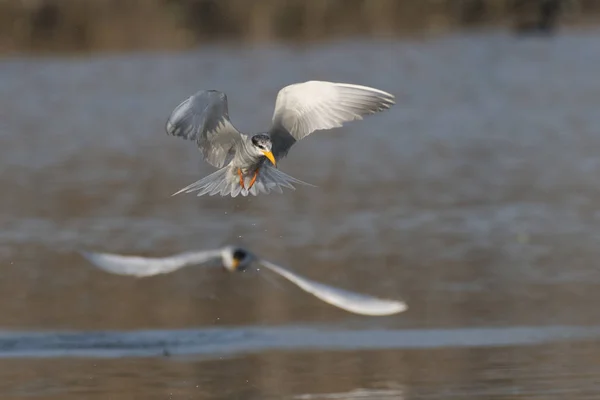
373 394
555 371
220 342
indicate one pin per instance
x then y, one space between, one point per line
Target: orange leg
253 179
241 178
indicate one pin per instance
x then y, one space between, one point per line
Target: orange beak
270 156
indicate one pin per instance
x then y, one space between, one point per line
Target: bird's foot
253 179
242 178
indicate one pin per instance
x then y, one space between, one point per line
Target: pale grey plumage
145 266
350 301
300 109
238 259
204 117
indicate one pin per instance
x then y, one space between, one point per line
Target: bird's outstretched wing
303 108
204 117
148 266
346 300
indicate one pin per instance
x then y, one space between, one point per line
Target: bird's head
236 259
262 146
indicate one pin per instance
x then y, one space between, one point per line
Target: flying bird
235 259
248 163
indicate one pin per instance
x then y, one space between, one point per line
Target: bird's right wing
204 117
148 266
350 301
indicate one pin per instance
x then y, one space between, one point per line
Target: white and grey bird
300 109
234 258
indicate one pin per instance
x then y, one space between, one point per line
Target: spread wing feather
148 266
303 108
204 117
346 300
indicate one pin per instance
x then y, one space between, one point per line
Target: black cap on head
260 139
240 256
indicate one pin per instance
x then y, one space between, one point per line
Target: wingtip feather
88 255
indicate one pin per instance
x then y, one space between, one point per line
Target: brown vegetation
86 25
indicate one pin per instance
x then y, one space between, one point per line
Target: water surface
474 200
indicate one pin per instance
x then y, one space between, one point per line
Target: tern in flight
234 259
247 163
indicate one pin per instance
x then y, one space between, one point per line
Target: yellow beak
270 156
235 263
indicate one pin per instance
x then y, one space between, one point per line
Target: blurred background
474 199
76 26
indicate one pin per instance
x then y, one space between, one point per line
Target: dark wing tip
170 127
85 254
93 258
386 99
89 256
384 102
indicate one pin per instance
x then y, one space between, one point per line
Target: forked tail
226 183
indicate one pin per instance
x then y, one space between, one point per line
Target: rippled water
474 199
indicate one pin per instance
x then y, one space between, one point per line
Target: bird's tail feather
210 184
226 183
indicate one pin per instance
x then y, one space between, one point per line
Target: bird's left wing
303 108
148 266
350 301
